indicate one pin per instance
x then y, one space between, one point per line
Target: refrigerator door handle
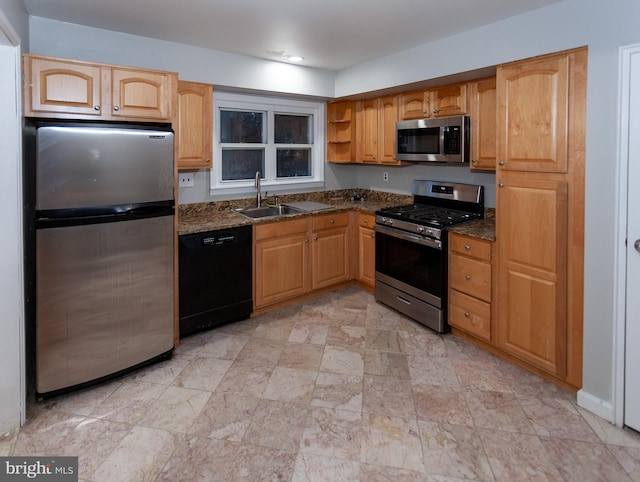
56 218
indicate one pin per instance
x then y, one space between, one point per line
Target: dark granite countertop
482 229
202 217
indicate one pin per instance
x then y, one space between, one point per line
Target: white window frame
271 105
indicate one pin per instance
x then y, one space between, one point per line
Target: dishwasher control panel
216 240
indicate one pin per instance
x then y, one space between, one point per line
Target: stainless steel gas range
411 248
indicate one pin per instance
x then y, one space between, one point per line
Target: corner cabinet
540 211
295 257
79 90
194 125
341 125
482 110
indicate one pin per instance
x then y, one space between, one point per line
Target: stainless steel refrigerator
104 208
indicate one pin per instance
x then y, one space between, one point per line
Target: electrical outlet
385 176
185 179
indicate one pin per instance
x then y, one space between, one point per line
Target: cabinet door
57 86
533 104
449 100
330 263
140 94
483 112
387 118
366 256
414 105
367 125
195 125
532 261
281 269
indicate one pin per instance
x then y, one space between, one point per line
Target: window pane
242 163
241 127
293 129
293 162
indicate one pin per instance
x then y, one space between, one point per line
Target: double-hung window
282 139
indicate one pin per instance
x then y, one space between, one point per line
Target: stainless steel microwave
444 139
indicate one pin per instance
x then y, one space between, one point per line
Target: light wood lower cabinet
295 257
366 249
470 288
329 250
281 267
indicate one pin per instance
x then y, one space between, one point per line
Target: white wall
603 26
13 26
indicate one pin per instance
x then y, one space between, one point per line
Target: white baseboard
599 407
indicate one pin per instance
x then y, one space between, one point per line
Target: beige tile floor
338 388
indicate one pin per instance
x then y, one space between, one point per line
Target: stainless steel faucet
257 186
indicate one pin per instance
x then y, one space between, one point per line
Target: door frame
10 40
622 221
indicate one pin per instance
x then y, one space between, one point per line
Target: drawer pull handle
332 221
467 247
404 300
466 314
467 277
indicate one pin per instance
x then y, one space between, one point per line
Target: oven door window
419 266
425 140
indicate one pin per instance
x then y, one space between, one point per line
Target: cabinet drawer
468 246
367 220
280 228
470 276
470 314
330 221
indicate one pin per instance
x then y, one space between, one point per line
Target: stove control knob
421 229
430 232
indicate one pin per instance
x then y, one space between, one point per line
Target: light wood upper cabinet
534 109
341 137
54 86
376 130
443 101
194 126
483 112
81 90
140 93
367 135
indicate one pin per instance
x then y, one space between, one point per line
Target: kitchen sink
265 212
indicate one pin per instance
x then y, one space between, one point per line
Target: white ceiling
330 34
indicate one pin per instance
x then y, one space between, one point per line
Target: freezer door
82 166
104 299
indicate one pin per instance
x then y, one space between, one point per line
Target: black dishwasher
215 278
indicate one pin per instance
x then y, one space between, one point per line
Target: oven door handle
413 238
